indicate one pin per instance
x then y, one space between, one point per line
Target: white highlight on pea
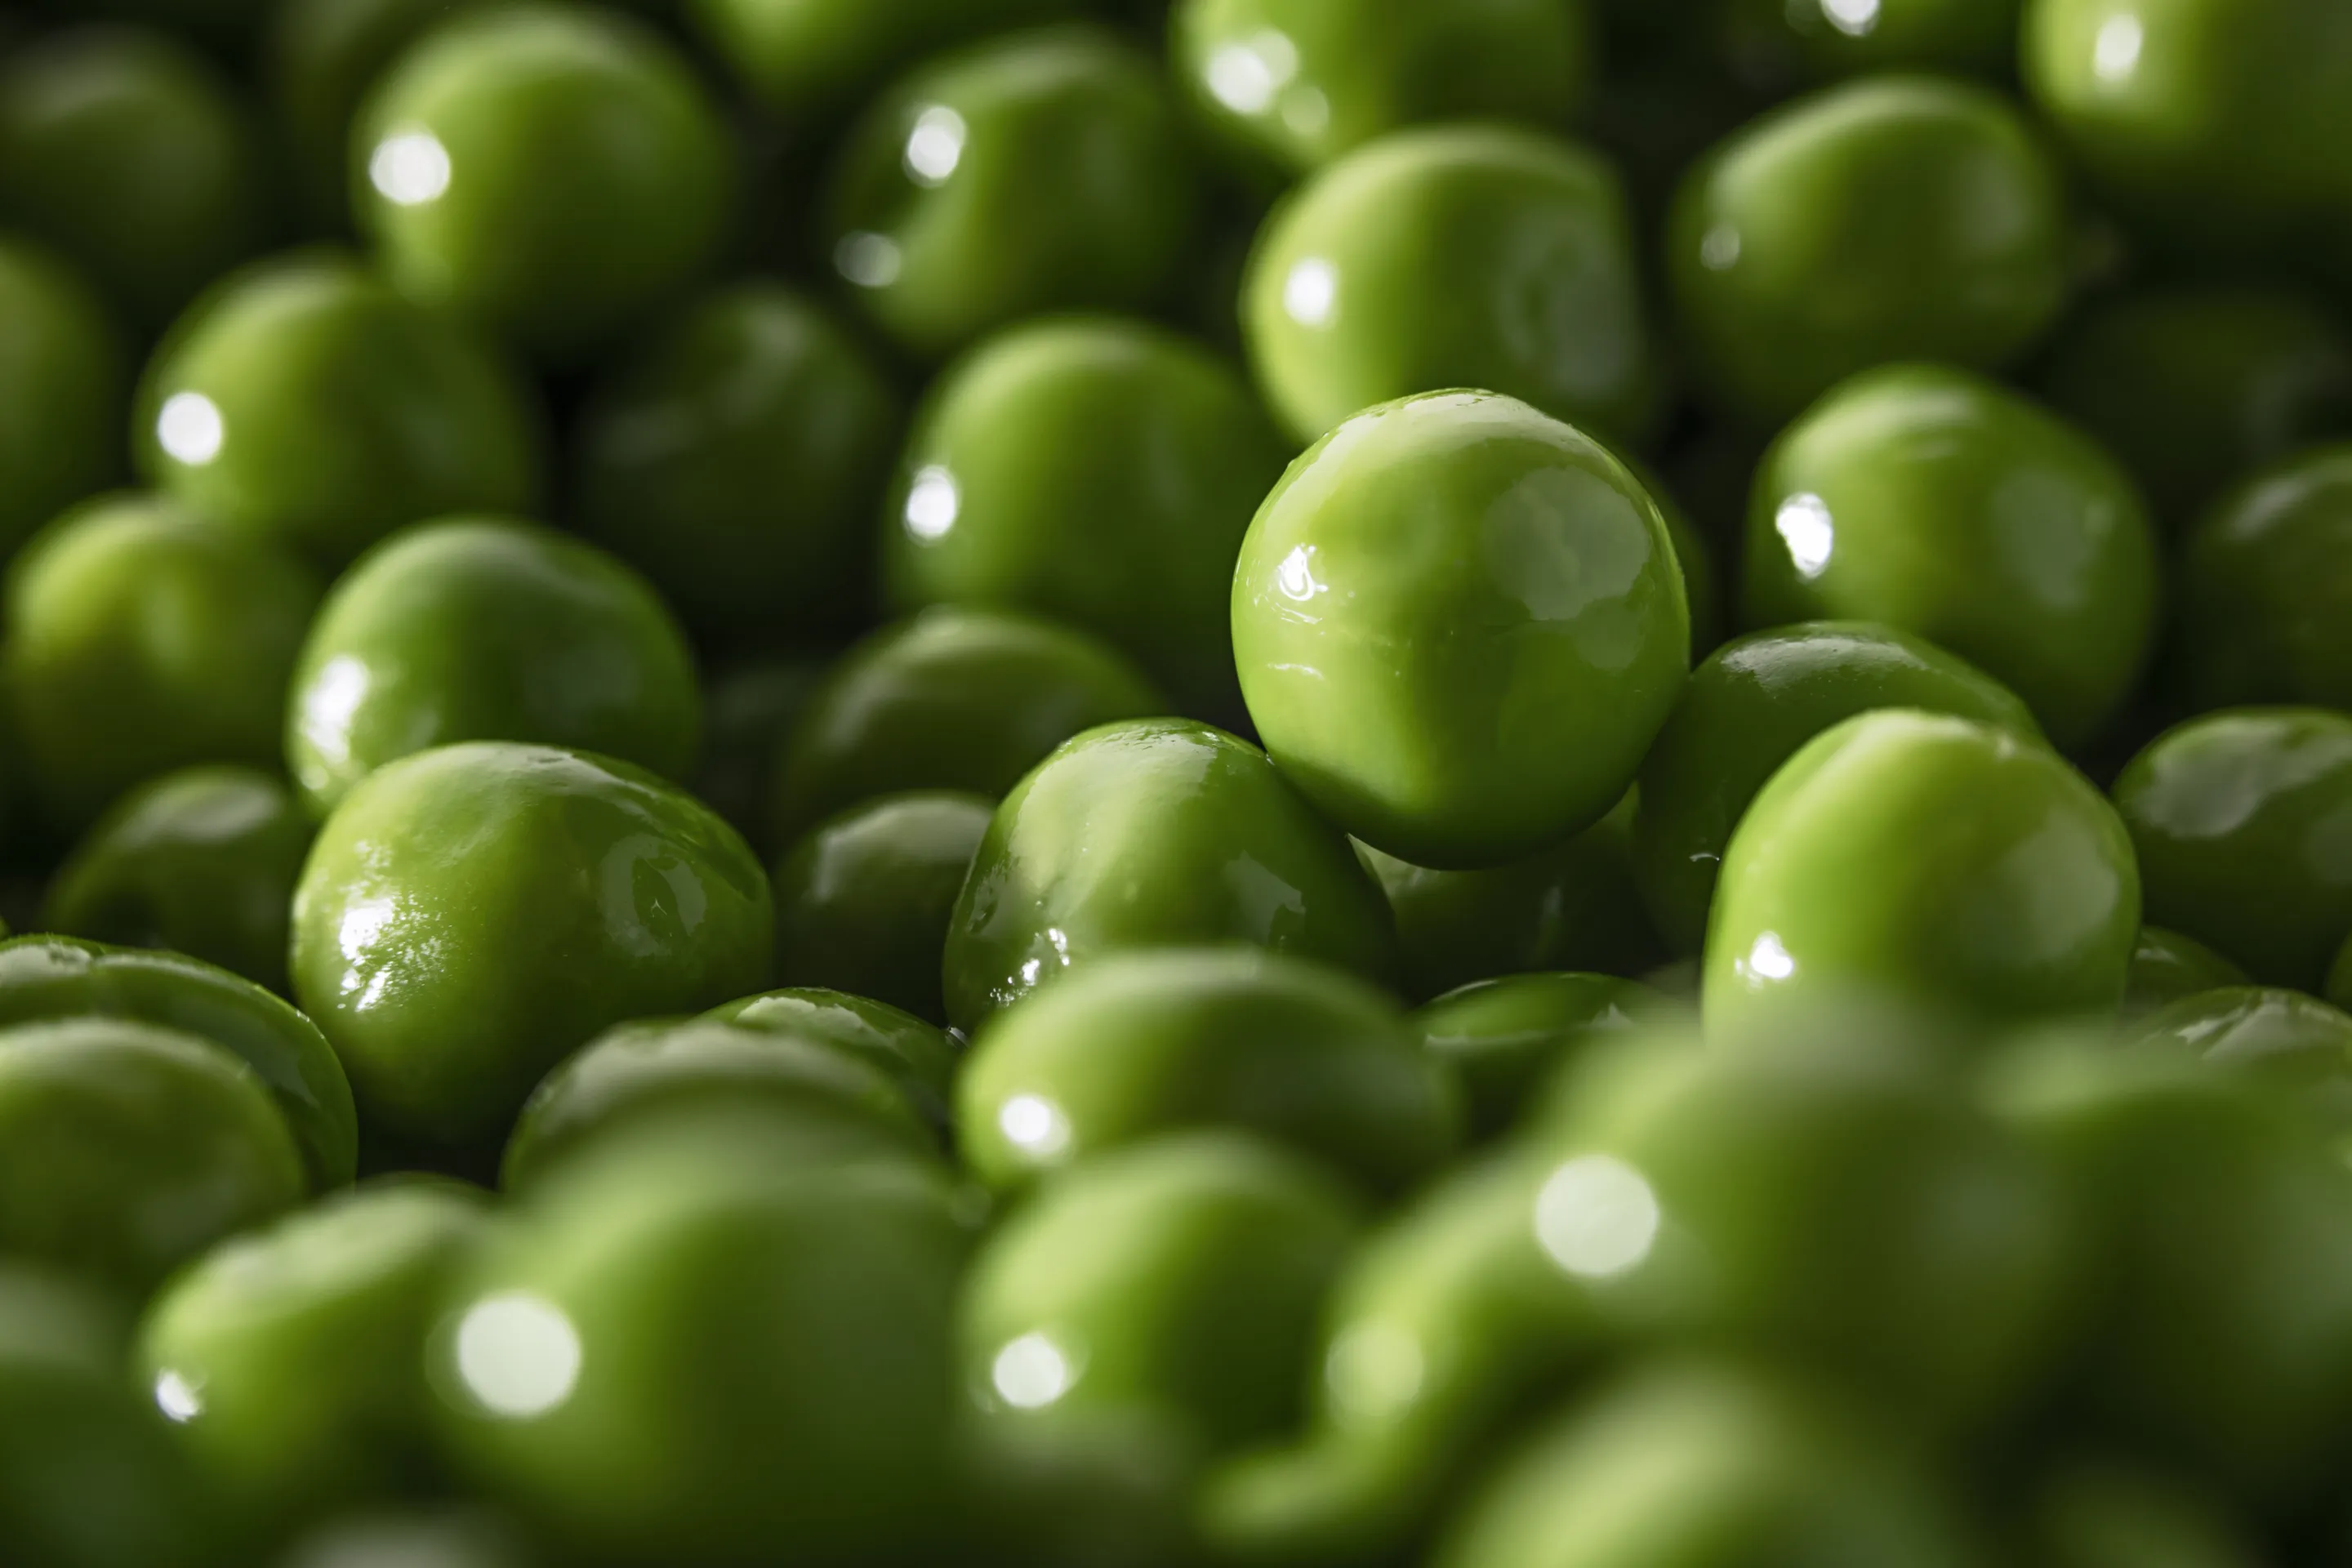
868 260
1030 1373
1718 251
933 502
1597 1218
177 1398
1034 1125
1805 526
1768 958
409 168
518 1354
935 146
2115 55
1854 18
189 429
1311 293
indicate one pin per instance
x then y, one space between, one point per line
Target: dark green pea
489 629
1141 1044
1036 172
1774 44
2242 821
292 1359
1927 860
735 456
1746 710
551 173
2108 1516
1571 907
957 699
1099 471
2193 387
308 405
1507 1034
2167 967
471 915
1456 256
747 712
2297 1042
126 1150
688 1349
917 1057
1702 579
811 60
863 901
1300 82
127 152
1424 583
1938 502
142 639
1160 833
1891 218
202 861
45 978
64 382
2266 590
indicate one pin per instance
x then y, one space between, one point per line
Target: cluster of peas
1570 1092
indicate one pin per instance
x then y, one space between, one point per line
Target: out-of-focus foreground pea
1508 1035
917 1057
1891 218
1096 470
1748 706
1936 502
472 914
1159 833
2168 966
1459 625
1927 860
63 385
2266 590
1458 256
808 61
449 1536
2240 819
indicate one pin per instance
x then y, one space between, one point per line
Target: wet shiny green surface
2167 966
917 1057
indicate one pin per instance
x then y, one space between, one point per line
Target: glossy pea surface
1459 623
2297 1043
472 914
1096 470
487 630
1747 708
1157 833
64 380
1930 860
1890 218
1936 501
808 63
2266 589
550 174
1453 256
1036 172
2167 967
1506 1036
735 457
200 861
307 404
2241 821
919 1057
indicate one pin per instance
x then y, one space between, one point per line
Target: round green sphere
64 385
2265 612
919 1057
2168 967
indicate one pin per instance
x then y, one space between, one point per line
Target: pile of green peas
1176 783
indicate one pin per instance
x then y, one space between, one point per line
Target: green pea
1139 1045
2167 967
51 978
2107 1516
917 1057
1855 227
1507 1035
863 901
688 1349
810 61
1749 706
126 1150
445 1537
308 405
2266 589
2240 819
747 711
1776 43
1456 256
126 150
1459 623
292 1359
1929 860
202 861
1154 834
2295 1041
64 382
1099 471
143 640
1299 82
487 630
554 173
472 914
1036 172
1937 502
958 700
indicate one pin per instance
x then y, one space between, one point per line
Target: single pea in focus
143 640
1037 172
472 914
487 630
308 405
919 1057
1896 217
1456 256
1160 833
1507 1034
808 62
1936 501
2266 590
2243 824
1099 471
1459 623
64 384
552 174
202 861
1773 45
2168 967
